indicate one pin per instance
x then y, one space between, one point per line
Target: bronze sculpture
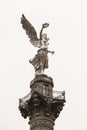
40 61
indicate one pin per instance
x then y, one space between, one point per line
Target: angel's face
44 41
44 38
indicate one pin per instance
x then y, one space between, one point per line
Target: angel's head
44 40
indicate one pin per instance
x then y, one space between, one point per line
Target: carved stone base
43 84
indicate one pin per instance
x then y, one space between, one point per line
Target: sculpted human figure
40 61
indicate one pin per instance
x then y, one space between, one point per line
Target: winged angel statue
40 61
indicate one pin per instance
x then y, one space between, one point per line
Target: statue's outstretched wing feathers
30 31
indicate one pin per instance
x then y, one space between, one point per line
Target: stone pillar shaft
41 123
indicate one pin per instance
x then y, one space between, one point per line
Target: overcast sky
67 67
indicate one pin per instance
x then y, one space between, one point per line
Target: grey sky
68 66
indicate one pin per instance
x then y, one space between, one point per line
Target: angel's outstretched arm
41 32
51 52
45 25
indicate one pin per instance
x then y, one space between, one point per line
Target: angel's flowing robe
40 61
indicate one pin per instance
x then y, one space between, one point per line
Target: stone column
41 122
42 85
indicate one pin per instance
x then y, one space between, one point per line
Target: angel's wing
30 31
